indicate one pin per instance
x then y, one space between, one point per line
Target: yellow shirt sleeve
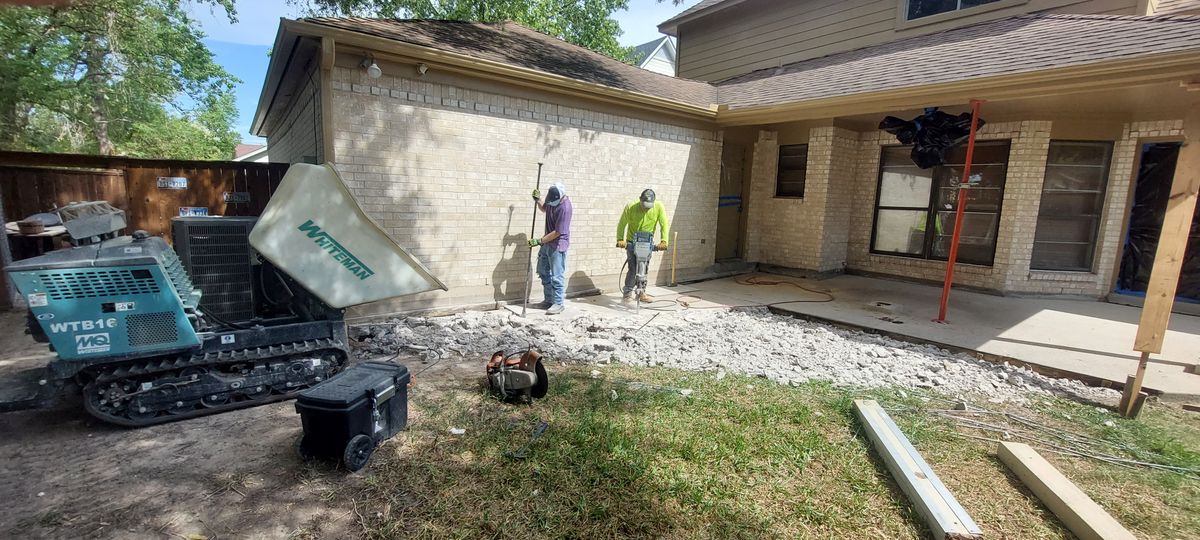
664 227
622 224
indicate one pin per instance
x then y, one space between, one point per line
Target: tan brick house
766 150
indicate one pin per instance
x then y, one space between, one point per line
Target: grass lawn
738 458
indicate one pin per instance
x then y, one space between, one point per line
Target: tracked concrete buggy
129 326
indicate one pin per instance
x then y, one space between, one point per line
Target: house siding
844 169
446 169
660 63
760 34
297 137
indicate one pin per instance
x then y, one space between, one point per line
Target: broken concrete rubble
751 342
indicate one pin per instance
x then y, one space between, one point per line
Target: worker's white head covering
556 194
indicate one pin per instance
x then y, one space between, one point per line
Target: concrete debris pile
750 342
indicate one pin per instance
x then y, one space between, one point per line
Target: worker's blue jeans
552 268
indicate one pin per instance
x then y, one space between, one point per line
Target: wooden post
674 253
1168 259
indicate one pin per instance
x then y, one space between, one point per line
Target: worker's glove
535 242
537 194
661 246
621 244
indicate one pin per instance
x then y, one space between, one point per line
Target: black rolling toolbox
347 416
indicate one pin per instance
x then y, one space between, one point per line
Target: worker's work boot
627 298
542 305
645 298
555 309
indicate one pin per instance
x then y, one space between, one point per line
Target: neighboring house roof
243 149
250 152
1014 45
1165 7
643 52
705 7
513 44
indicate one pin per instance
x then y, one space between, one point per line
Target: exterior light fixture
372 68
421 69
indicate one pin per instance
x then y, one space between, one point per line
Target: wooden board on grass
1078 512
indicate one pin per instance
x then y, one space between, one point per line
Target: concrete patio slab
1088 340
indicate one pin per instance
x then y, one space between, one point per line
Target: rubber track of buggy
169 366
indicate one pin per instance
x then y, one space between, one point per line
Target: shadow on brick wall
513 262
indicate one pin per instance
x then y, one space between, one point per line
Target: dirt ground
233 475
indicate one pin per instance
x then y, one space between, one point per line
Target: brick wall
447 170
831 228
297 135
808 232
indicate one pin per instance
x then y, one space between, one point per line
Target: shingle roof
515 45
703 5
640 52
1014 45
1008 46
1172 6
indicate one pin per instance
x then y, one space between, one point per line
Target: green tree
127 77
587 23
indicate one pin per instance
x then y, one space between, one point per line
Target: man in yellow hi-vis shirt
642 215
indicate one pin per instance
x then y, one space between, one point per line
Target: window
925 8
793 167
1072 202
915 209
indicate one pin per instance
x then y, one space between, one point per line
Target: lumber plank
1172 242
1082 516
945 517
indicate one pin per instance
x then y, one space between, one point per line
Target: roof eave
1088 77
498 71
280 52
671 26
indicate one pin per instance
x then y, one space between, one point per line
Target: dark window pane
900 231
925 8
977 243
1071 204
902 185
986 152
793 165
972 3
1065 228
1078 153
1062 256
897 156
1074 178
1071 207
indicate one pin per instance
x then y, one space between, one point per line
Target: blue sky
242 48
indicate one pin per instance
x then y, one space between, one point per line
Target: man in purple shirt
552 258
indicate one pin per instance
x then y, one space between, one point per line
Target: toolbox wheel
358 451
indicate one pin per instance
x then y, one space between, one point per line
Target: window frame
931 211
904 23
1097 219
778 169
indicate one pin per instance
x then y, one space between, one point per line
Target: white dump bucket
314 230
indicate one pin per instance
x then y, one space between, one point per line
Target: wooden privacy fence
150 191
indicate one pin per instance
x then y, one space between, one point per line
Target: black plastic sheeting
1145 225
932 134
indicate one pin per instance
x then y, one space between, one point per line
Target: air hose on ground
681 301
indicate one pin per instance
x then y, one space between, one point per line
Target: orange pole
958 215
